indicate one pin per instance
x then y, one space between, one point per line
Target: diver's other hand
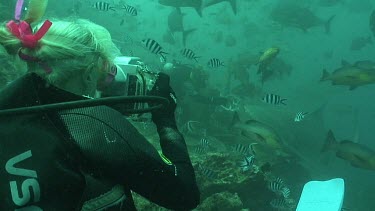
165 115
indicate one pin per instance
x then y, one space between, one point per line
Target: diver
87 158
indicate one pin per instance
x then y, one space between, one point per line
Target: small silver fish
300 116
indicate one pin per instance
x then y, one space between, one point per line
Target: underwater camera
133 78
127 91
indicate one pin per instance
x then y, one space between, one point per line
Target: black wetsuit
60 160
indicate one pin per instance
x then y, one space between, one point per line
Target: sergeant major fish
154 47
103 6
273 99
188 53
130 10
207 172
247 163
280 204
278 187
300 116
241 149
215 63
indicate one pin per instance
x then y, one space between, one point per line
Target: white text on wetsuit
29 184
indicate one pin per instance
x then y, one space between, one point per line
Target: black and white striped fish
207 172
247 163
188 53
273 99
130 10
241 149
204 143
215 63
203 147
200 150
154 47
277 186
103 6
279 204
300 116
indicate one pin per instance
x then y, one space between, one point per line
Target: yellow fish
350 75
260 133
269 55
358 155
266 58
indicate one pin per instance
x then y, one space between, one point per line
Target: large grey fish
359 156
233 4
360 42
176 24
350 75
259 132
365 64
196 4
293 15
372 22
329 3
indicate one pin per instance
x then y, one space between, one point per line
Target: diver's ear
90 75
89 78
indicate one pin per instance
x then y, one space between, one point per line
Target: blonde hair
11 67
67 48
72 46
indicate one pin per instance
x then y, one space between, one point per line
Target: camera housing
133 78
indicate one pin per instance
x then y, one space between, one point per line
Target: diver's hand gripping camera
133 78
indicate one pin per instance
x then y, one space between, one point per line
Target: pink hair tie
25 34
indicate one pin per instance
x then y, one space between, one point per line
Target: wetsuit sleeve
114 150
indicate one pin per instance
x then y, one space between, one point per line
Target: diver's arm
173 184
114 150
181 187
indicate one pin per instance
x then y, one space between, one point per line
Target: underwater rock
220 172
221 201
